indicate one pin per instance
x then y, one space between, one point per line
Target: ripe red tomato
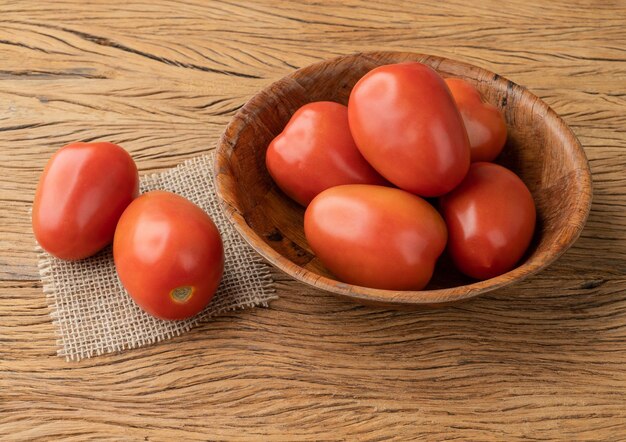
484 123
375 236
82 193
168 255
316 151
406 124
491 220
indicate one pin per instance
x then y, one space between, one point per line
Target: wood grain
541 360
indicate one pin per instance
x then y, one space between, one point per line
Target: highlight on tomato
484 122
407 126
375 236
316 151
81 195
168 254
491 219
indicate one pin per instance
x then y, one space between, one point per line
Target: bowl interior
540 148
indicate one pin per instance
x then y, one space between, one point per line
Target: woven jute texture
94 315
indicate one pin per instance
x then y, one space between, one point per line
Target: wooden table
545 359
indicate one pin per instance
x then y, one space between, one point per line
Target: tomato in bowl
540 149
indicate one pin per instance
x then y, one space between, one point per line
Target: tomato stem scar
182 294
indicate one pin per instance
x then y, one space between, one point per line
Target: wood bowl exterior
540 148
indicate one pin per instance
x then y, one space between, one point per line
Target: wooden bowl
540 148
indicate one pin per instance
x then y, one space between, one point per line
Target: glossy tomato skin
484 122
375 236
81 194
168 254
406 124
316 151
490 219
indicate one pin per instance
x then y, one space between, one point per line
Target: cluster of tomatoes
363 172
167 251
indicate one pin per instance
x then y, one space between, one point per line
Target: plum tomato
316 151
490 219
407 126
375 236
81 195
484 122
168 255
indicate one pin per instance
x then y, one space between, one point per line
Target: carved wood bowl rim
409 299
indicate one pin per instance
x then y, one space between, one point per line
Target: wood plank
541 360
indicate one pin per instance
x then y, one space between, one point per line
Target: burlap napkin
93 313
